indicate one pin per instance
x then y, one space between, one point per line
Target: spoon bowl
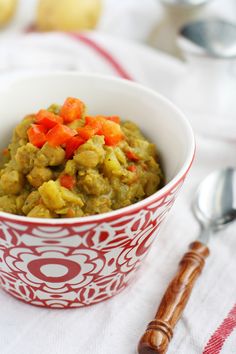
214 202
211 37
214 208
185 3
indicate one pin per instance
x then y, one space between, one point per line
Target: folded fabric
115 326
94 52
125 18
130 18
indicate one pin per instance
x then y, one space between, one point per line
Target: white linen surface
116 325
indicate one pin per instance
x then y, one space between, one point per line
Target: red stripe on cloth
104 53
216 342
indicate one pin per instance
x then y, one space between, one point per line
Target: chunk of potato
20 201
70 197
131 130
11 182
111 164
71 211
153 181
8 204
70 168
22 128
25 157
120 156
40 211
95 144
50 156
76 124
7 11
98 205
39 175
87 159
51 195
68 15
93 183
31 201
54 108
143 148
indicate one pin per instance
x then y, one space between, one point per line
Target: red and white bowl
70 263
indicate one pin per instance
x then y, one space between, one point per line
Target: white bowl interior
160 121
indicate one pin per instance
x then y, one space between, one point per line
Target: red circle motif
99 258
73 269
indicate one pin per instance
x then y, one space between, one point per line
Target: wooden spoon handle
160 331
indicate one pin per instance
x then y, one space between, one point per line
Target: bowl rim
133 207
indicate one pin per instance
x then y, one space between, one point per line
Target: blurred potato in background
7 10
68 15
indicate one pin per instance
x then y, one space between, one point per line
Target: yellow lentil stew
64 163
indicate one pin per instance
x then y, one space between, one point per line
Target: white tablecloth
115 326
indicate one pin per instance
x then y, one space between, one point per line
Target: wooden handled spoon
214 208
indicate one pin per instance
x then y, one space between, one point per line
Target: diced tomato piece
36 135
5 152
87 132
67 181
59 135
72 145
132 168
89 120
132 156
48 119
115 119
70 213
40 127
101 119
72 109
103 127
112 133
96 122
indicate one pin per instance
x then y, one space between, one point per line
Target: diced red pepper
87 132
90 120
132 156
96 122
67 181
72 109
48 119
132 168
70 213
5 152
112 133
99 120
59 135
115 119
72 145
107 126
36 135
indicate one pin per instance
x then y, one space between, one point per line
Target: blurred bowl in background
185 2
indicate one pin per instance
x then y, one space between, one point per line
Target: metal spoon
211 37
184 2
214 204
214 207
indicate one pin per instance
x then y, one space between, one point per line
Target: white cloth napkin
130 18
202 100
115 326
133 19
